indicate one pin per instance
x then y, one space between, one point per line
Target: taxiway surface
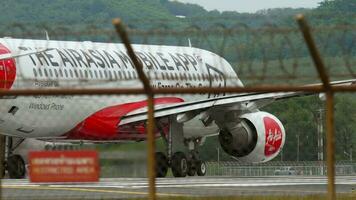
123 188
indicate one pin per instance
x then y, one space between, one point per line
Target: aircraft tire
16 166
191 168
161 165
201 168
179 164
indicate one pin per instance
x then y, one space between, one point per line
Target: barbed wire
190 19
268 54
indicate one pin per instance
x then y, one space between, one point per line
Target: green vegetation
77 11
342 10
143 14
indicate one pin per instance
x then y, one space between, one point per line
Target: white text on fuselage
46 83
46 106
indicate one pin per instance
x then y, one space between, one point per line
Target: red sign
63 166
273 136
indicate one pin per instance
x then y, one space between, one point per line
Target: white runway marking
191 182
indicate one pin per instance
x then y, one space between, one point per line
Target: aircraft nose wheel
179 164
201 168
161 164
16 166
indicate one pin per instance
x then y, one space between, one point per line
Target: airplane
183 121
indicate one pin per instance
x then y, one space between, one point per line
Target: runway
123 188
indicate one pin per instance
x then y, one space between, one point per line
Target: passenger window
40 72
45 72
71 73
114 75
207 77
76 73
100 74
60 73
55 73
120 76
34 72
210 78
109 75
124 73
181 76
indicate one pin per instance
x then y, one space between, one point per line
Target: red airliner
184 121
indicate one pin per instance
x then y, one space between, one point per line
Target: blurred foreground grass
351 196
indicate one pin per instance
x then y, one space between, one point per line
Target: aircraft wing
251 100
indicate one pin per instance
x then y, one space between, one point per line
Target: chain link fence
266 56
231 169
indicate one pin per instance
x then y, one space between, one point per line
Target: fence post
150 105
319 64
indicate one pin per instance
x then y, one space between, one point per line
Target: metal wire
278 49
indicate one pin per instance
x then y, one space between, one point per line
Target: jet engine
256 137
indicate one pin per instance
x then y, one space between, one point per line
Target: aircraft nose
7 69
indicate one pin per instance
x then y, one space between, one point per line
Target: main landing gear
14 163
195 165
181 164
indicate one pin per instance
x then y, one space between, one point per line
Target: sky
252 5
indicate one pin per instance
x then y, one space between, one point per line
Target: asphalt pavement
123 188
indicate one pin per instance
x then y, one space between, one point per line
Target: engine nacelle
257 137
